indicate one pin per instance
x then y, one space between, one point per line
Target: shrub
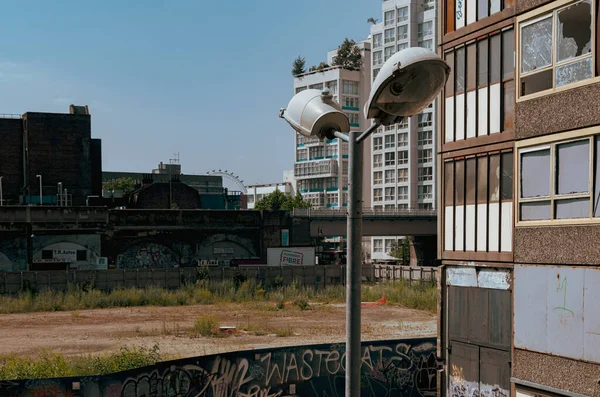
205 326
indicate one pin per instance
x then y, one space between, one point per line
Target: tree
277 201
372 21
298 66
319 68
125 185
348 56
401 250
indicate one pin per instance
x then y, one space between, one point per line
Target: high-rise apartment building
403 161
321 167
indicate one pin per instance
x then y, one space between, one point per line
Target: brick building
57 147
165 195
516 311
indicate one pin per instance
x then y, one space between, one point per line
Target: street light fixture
60 196
39 176
407 83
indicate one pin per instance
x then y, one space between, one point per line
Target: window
402 175
424 192
387 53
462 13
403 157
377 177
390 159
378 194
402 192
424 156
402 14
302 155
375 73
353 118
378 245
402 139
555 180
389 207
377 143
389 36
377 57
403 32
424 30
389 243
332 85
402 206
331 151
377 40
425 174
424 120
390 141
390 128
425 44
349 87
390 193
403 123
377 160
300 89
429 5
425 206
351 102
390 176
425 138
556 48
402 46
81 255
388 18
316 86
332 199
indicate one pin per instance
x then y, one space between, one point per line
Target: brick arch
242 247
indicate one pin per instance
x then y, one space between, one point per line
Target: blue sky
205 79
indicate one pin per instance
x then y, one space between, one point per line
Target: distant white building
257 192
321 167
402 161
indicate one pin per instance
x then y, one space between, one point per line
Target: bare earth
105 330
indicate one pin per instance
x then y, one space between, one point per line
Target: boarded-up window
460 70
507 176
459 182
470 180
449 183
482 63
471 67
450 81
494 175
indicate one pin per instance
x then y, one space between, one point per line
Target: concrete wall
106 280
394 367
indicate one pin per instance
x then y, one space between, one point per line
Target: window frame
552 141
540 14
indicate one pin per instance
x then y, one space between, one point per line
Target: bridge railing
367 212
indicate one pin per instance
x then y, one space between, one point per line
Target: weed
284 332
205 326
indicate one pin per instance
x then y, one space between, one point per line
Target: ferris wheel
231 177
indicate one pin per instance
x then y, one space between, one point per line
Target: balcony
321 169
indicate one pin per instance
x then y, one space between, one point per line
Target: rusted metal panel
463 276
479 313
463 370
494 372
500 324
458 313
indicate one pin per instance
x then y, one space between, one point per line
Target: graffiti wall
389 368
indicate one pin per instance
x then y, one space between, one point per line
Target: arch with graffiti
225 246
148 254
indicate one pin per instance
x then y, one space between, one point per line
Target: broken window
506 180
494 180
572 40
460 70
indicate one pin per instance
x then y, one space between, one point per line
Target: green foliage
319 68
51 365
348 55
401 250
278 201
126 185
205 326
298 67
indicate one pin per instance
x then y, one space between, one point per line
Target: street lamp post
39 176
407 83
1 197
60 196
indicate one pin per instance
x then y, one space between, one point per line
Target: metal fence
106 280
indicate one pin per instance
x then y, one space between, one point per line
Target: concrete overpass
405 222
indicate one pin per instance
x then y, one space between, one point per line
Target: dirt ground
105 330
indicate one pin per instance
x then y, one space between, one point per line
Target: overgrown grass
417 296
205 326
51 365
